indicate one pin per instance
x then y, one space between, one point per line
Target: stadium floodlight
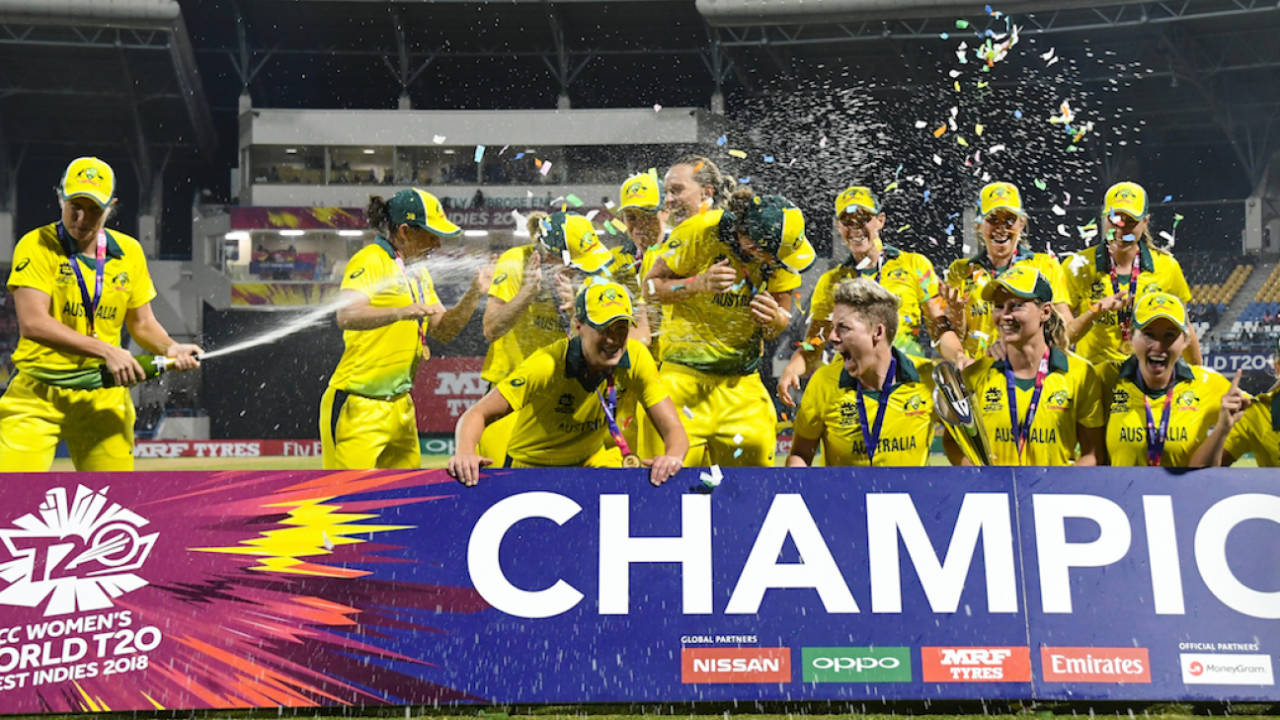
293 233
237 235
475 233
369 151
351 233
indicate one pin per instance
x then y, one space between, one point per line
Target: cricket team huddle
649 353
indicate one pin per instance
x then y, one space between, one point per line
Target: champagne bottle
152 366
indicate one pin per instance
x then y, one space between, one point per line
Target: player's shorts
606 457
730 419
359 433
97 426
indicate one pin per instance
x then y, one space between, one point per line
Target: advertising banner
283 293
252 589
444 388
1228 362
296 218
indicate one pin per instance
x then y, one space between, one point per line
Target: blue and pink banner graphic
256 589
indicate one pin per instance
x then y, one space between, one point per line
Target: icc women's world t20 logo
75 555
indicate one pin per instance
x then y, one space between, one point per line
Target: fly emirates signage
899 538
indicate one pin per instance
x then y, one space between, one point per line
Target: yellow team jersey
560 421
1071 398
908 275
1088 275
970 275
1258 431
829 411
42 261
1197 393
714 332
381 363
539 325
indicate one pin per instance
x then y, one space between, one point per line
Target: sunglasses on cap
1002 217
857 219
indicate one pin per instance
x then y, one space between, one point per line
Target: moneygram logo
976 664
856 664
1100 665
77 555
1226 669
735 665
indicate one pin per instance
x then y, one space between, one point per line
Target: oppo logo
856 664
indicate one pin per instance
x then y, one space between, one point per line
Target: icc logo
77 555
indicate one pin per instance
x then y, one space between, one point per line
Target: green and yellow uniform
1070 398
367 417
712 350
60 395
1088 276
908 275
1258 431
539 325
1196 397
970 275
829 412
559 418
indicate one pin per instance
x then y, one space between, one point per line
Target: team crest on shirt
121 282
565 405
1119 400
1187 400
993 399
1059 400
848 414
914 405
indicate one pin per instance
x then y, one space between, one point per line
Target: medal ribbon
91 302
1124 316
610 407
1156 438
871 436
1022 430
420 297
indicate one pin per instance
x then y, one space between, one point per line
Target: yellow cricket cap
999 196
572 237
1159 305
640 192
89 177
1128 198
857 196
1022 280
601 303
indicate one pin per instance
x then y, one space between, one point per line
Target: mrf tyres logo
75 555
976 664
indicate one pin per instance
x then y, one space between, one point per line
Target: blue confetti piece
944 36
768 158
951 227
723 139
518 156
479 153
1017 114
737 452
744 180
953 216
926 196
988 9
1168 198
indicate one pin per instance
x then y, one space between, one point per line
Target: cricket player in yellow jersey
367 419
908 275
75 286
1160 410
531 298
1039 401
728 275
1257 431
1104 280
871 407
566 395
1001 223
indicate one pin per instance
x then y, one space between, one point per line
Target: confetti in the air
479 153
437 139
740 154
574 200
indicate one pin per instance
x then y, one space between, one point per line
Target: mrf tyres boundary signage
217 590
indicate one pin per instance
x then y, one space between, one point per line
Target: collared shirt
539 325
970 275
1197 395
1070 398
1088 274
1258 431
560 421
382 362
714 332
42 261
829 412
908 275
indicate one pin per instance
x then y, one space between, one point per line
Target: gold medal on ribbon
631 461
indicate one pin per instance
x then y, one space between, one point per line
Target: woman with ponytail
389 305
1040 402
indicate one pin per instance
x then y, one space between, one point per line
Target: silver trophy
952 400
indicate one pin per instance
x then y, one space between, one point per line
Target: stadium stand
8 333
